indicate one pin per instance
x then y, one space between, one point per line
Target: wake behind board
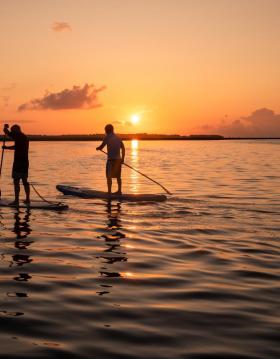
35 205
90 193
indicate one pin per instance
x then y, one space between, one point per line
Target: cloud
261 123
76 98
123 114
5 96
5 101
61 26
9 87
117 122
122 123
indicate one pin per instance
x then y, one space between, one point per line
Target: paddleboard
90 193
35 205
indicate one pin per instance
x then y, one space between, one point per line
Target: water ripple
196 277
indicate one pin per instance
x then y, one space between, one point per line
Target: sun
134 119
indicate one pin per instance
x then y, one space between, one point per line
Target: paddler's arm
123 152
103 144
8 133
8 147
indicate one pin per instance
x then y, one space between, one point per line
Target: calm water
194 277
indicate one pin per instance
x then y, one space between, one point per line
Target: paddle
166 190
2 158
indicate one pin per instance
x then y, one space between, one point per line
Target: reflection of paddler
114 158
21 163
22 229
113 215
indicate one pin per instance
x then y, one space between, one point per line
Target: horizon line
142 136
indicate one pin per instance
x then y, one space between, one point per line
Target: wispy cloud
122 123
124 118
78 97
5 101
6 90
9 87
61 26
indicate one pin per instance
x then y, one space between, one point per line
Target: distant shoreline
140 136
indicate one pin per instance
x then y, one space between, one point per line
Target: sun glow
134 119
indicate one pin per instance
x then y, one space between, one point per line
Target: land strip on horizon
137 136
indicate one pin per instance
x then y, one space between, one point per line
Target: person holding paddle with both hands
114 158
21 162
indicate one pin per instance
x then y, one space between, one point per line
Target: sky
156 66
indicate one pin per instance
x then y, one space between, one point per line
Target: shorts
17 175
114 168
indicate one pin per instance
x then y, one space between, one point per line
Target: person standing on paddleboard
21 163
115 157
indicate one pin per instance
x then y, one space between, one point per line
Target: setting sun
134 119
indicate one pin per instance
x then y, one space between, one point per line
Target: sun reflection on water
134 161
128 275
134 144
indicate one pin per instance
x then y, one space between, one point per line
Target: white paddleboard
90 193
34 205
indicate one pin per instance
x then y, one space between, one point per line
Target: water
194 277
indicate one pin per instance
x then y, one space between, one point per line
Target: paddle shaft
143 174
2 158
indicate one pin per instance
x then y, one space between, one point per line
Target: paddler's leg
118 175
109 175
16 190
119 180
16 179
109 184
27 190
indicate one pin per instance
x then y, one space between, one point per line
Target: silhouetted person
114 157
21 163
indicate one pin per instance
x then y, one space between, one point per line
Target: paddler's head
15 129
109 129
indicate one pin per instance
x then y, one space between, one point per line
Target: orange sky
184 66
